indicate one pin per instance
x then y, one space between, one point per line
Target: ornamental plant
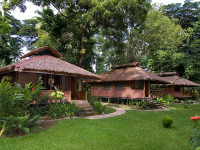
14 104
167 121
57 95
195 136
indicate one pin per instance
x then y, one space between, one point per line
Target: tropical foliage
63 110
195 136
14 105
99 34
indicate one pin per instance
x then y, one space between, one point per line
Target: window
45 78
177 88
137 85
49 82
118 85
106 86
141 84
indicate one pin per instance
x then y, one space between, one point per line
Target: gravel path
119 111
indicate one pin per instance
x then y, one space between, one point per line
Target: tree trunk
83 48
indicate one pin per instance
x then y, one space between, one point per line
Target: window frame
106 85
119 85
137 84
175 88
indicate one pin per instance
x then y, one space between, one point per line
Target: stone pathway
119 111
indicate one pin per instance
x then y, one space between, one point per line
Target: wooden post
149 85
79 85
144 92
156 90
51 81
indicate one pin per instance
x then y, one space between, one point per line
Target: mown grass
135 130
109 110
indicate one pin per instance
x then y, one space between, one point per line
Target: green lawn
109 110
139 130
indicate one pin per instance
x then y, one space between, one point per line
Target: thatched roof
53 52
162 74
134 64
129 72
176 80
48 64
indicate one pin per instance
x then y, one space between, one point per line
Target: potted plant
57 95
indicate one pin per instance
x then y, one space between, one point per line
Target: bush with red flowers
195 137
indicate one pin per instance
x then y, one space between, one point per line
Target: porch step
83 105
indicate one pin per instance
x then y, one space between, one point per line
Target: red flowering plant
195 136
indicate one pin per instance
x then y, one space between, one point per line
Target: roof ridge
40 49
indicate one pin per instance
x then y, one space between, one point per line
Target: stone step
84 105
81 101
78 104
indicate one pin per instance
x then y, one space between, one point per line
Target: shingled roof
176 80
129 72
48 64
53 51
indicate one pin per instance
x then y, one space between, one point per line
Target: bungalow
44 62
179 86
125 81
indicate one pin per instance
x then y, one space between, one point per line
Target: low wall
126 92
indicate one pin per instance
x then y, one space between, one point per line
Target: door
146 89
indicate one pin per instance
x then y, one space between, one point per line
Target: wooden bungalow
44 62
179 87
127 81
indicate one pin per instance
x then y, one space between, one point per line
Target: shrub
167 121
14 105
92 100
166 101
143 104
131 103
63 110
57 95
185 106
45 98
11 124
55 111
98 107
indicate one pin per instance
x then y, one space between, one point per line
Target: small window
118 85
137 85
107 86
177 88
141 84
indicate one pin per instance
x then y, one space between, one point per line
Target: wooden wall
171 90
128 91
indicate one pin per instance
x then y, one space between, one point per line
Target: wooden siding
115 93
98 90
171 90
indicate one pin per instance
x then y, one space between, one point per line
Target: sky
30 11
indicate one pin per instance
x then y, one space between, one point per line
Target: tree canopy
102 33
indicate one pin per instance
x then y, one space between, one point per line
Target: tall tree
78 21
163 38
188 16
10 40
